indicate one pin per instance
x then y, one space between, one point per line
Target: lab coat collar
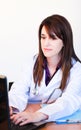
56 78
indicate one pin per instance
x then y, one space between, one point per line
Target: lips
47 49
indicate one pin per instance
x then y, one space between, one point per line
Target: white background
19 23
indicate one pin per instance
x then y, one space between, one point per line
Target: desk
53 126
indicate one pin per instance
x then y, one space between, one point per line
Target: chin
47 55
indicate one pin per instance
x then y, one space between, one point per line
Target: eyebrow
43 34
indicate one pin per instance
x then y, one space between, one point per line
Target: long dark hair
61 27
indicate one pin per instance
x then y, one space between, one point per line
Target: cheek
58 47
42 45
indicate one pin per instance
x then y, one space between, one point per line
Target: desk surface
52 126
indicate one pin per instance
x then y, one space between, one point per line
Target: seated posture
51 78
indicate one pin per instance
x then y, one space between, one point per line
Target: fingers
11 111
23 122
20 118
23 118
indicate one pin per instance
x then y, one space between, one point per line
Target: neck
53 61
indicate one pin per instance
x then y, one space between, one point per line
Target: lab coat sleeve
18 95
70 101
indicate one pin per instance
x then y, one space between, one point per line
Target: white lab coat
65 105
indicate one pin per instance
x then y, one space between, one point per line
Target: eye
43 37
53 36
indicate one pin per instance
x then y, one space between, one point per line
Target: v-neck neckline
48 77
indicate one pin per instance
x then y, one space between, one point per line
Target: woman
52 78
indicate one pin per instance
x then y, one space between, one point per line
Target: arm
18 94
70 99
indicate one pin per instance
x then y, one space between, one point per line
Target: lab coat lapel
56 78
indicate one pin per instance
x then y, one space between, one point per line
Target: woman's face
50 47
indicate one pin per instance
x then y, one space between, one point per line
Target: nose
47 42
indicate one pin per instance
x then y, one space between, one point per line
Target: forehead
44 30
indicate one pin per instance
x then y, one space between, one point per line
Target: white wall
19 22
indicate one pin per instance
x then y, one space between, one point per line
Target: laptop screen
4 109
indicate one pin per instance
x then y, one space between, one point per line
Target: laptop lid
4 107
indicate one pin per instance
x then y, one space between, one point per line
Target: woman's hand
25 117
11 111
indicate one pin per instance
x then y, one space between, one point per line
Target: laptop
5 123
4 110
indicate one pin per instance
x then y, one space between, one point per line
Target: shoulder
76 66
35 57
29 62
76 63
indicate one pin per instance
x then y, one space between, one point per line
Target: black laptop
5 123
4 110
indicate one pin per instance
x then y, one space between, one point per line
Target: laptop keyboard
29 126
